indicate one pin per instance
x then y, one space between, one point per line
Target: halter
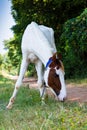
48 63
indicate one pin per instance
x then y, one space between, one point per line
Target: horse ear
54 57
57 56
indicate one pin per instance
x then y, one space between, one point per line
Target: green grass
28 113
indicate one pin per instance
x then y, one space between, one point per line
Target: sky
6 22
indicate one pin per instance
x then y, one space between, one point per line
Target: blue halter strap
48 63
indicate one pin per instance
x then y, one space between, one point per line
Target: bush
74 46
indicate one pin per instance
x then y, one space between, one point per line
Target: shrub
74 45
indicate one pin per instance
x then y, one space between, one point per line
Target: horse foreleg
24 66
40 82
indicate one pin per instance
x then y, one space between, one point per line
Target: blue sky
6 22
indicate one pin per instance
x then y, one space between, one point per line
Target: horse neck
44 55
42 47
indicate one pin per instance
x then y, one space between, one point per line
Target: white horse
37 47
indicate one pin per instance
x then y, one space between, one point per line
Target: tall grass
28 113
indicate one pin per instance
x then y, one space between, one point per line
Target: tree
74 42
1 60
52 13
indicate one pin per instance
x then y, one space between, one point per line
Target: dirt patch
75 92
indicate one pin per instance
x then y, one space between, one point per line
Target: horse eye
56 75
57 67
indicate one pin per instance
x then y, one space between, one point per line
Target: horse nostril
63 99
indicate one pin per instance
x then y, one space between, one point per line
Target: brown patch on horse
12 100
56 61
54 81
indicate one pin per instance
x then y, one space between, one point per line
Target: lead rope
42 96
43 91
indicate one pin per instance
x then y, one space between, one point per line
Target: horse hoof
9 107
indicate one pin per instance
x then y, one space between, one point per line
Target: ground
75 92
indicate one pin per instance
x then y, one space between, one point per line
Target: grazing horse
39 48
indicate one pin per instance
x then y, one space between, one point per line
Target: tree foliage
74 42
52 13
1 60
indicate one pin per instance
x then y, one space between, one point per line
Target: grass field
28 113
